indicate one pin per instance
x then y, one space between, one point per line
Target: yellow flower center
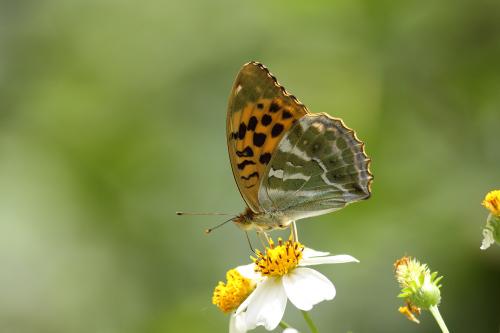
492 202
228 296
278 260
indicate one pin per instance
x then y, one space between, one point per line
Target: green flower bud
425 295
419 288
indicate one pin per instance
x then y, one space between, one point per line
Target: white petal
237 323
487 239
265 306
309 253
306 287
248 271
290 330
338 259
243 306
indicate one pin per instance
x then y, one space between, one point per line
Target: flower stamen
228 296
278 260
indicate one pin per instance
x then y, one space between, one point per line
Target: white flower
283 276
240 282
237 323
290 330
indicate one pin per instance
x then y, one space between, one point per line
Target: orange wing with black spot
260 112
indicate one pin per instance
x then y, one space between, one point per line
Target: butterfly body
262 221
289 164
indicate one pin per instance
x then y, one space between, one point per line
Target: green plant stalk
284 324
309 322
435 312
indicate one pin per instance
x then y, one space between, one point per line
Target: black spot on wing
265 158
274 107
242 131
286 114
260 106
259 139
254 174
277 129
266 119
252 123
247 152
243 164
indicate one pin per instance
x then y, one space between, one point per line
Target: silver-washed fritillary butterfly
288 163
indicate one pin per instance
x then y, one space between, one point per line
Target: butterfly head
245 220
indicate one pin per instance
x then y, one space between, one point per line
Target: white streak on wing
319 126
286 146
302 193
327 181
307 193
275 173
325 170
297 175
300 153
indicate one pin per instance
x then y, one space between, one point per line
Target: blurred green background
112 117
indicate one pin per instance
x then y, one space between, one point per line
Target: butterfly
288 163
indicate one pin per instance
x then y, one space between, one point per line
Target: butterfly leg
264 238
250 243
293 232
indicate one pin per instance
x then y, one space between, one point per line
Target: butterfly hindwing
260 112
319 166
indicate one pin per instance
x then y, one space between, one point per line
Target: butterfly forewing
260 112
318 167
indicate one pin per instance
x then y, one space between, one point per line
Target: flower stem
435 312
284 324
309 322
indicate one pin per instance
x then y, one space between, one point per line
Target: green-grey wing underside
318 167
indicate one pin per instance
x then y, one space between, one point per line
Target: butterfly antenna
201 213
209 230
